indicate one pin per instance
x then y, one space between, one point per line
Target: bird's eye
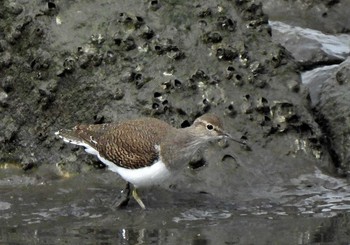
210 127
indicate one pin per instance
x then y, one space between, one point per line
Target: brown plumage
130 144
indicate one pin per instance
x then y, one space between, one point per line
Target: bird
145 151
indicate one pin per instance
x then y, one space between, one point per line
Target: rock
3 98
333 115
311 48
326 16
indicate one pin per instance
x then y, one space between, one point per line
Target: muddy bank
61 68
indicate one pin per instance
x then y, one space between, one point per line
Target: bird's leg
138 199
123 198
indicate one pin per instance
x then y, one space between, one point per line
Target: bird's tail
70 136
79 135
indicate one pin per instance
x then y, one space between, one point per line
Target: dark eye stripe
218 131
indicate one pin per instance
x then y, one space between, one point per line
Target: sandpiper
145 151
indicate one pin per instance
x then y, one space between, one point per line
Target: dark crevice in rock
327 142
307 66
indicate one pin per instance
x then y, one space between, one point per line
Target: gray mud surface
69 62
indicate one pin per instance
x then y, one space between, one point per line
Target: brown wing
131 144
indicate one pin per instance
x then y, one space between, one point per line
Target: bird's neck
180 146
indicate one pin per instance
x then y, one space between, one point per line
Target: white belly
146 176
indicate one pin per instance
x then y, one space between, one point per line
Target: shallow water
78 210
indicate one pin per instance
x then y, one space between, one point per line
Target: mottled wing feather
132 144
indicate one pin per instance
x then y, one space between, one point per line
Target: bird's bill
227 135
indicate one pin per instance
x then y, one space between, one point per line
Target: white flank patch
146 176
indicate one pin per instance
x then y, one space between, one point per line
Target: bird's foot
123 198
138 199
